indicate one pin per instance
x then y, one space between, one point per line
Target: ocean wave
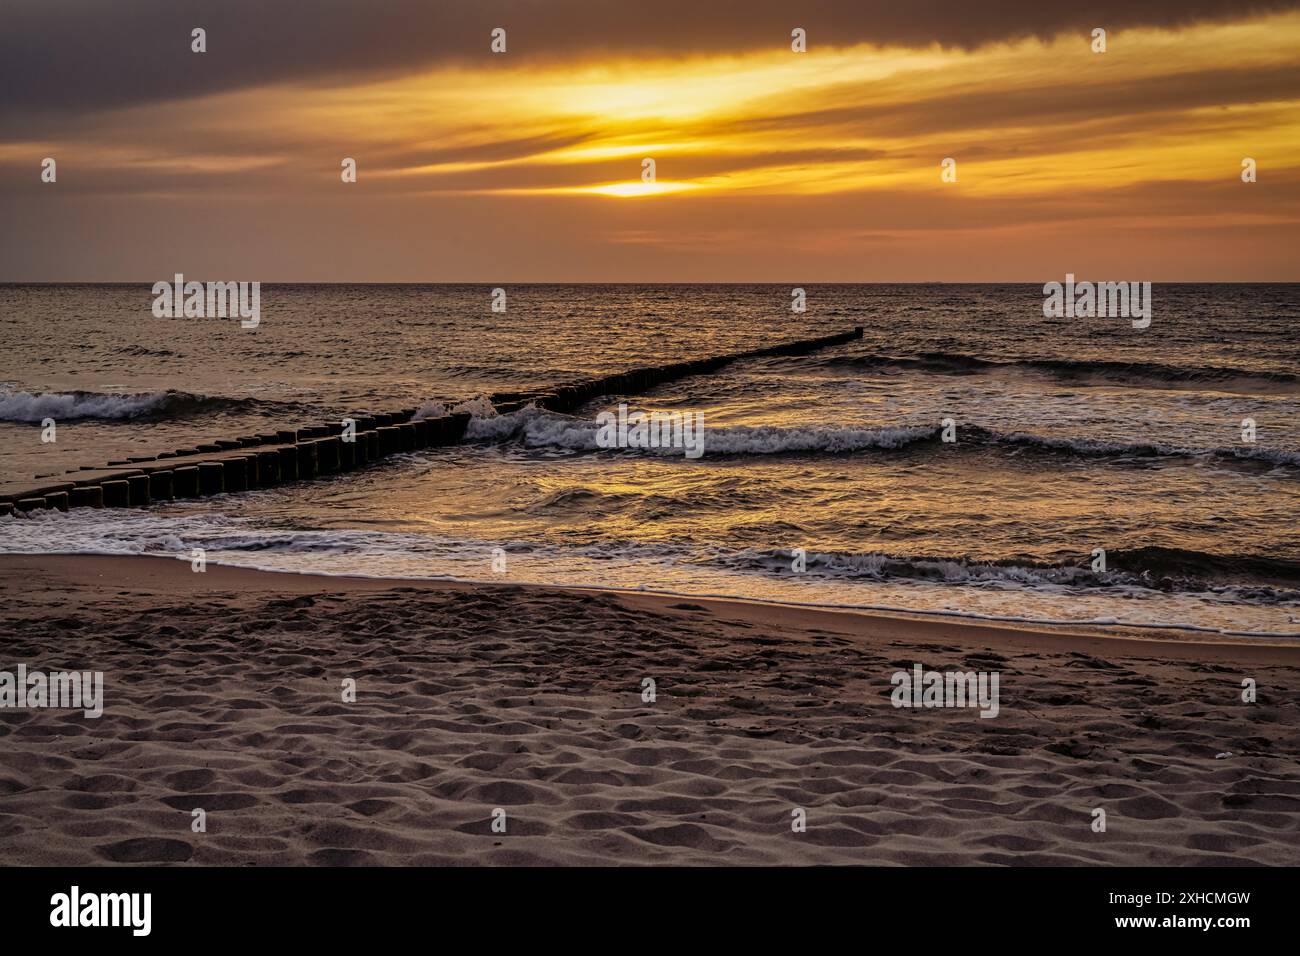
64 406
1135 373
1239 578
971 588
1095 448
536 428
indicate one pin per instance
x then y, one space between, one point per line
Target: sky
770 165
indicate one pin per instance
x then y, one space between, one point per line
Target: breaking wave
113 406
535 428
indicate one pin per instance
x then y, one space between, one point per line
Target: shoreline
975 626
221 694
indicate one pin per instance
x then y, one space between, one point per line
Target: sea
967 457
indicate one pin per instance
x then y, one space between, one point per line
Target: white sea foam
539 429
479 407
35 406
658 568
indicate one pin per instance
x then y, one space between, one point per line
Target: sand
223 691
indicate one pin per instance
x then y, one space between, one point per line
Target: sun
638 190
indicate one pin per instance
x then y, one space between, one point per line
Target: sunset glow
838 148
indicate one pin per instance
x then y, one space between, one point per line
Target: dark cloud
81 55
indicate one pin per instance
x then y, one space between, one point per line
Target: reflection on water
1071 439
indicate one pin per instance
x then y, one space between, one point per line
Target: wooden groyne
569 396
273 458
252 461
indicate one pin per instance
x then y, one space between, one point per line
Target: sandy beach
223 691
